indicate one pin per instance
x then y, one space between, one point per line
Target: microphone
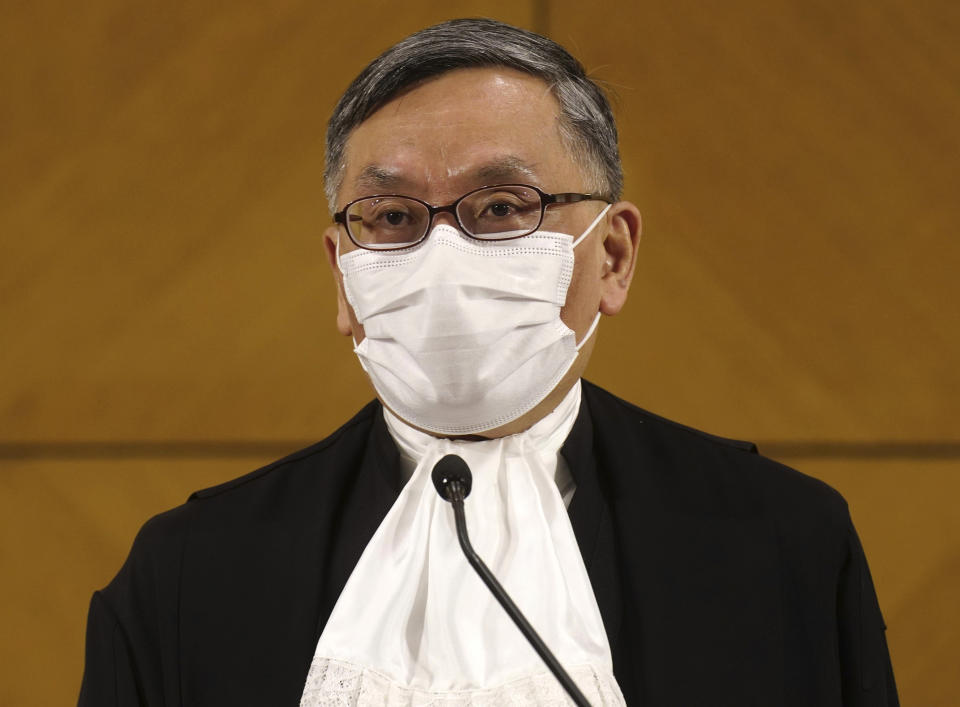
453 481
452 478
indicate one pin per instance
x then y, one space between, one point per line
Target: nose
444 214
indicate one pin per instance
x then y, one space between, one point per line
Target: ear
344 318
620 255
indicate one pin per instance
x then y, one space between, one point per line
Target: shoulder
309 481
624 415
697 472
327 454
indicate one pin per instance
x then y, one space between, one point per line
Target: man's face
476 127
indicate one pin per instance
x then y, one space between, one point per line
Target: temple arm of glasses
573 198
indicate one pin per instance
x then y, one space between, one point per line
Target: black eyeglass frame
546 200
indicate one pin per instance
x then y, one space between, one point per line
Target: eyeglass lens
492 213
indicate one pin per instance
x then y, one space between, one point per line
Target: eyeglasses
495 213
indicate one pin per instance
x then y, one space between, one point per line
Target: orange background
167 318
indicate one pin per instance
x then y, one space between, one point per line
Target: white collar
415 625
547 435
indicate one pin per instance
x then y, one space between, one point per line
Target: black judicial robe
723 578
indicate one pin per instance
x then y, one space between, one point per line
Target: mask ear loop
593 328
352 338
338 253
586 233
596 319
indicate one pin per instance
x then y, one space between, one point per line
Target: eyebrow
505 169
379 178
500 170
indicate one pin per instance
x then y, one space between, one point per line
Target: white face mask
463 336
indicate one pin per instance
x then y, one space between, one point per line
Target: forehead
463 129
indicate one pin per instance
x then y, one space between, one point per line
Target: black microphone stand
455 494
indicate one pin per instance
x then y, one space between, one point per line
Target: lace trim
340 683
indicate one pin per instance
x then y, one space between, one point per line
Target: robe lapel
377 484
592 526
698 562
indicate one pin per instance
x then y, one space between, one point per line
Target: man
478 238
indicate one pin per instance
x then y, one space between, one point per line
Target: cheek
347 322
355 326
583 295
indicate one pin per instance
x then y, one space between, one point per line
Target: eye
499 209
497 204
506 209
395 218
389 214
387 221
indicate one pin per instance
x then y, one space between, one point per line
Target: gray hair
586 124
